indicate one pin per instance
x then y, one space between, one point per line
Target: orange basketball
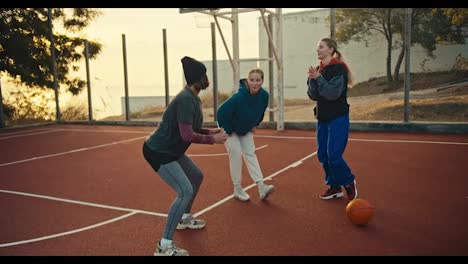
359 211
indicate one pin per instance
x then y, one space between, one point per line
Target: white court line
108 131
24 135
68 232
84 203
22 132
376 140
292 165
283 137
219 154
71 151
131 212
293 137
409 141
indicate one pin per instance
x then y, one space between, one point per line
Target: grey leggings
185 178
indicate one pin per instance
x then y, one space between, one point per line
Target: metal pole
270 37
332 23
166 72
88 81
270 72
280 83
235 48
407 62
127 110
215 71
2 122
54 69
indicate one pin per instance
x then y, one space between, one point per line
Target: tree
25 53
458 16
429 26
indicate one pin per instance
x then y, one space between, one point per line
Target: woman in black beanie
164 149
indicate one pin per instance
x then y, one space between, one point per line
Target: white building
303 30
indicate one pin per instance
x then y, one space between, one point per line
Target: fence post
2 122
58 116
88 82
271 82
215 71
408 32
166 74
127 108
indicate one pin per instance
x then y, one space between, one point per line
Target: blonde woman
328 85
238 116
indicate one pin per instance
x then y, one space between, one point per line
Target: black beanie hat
193 70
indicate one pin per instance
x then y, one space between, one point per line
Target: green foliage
429 27
457 16
25 53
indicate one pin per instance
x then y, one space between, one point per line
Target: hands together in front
219 135
313 72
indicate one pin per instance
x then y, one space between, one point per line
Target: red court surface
76 190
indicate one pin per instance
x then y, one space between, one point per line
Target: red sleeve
188 135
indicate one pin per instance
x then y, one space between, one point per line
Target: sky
187 34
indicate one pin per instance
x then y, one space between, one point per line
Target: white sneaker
170 250
265 190
191 223
240 194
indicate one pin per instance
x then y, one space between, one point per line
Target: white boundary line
409 141
375 140
219 154
31 134
131 211
22 132
83 203
107 131
284 137
71 151
68 232
292 165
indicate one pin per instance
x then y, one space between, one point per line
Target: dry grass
419 81
453 108
370 101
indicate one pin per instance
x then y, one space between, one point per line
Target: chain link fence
370 40
372 43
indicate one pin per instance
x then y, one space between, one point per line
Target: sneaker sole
189 227
156 254
268 193
241 199
336 195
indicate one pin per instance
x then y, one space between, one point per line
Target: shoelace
172 249
189 219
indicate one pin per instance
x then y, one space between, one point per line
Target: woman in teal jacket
239 115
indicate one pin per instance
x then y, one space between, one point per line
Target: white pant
236 146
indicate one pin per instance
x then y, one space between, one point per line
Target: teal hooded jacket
241 112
